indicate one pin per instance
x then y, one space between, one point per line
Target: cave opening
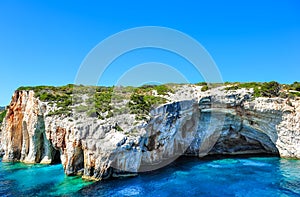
56 157
246 141
78 160
40 148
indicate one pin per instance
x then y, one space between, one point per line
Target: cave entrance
56 157
246 141
78 160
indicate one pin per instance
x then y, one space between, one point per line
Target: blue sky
44 42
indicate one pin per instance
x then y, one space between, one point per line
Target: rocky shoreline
205 123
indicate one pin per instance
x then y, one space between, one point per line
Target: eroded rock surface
220 122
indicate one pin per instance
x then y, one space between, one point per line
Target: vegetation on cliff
104 102
141 104
2 116
268 89
101 102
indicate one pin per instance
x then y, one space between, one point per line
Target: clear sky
44 42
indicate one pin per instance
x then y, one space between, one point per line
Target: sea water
18 179
254 176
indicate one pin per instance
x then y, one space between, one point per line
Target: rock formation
209 123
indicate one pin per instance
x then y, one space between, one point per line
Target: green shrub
249 85
146 89
64 103
45 96
138 105
295 86
204 88
142 104
293 94
267 89
62 111
25 88
2 115
118 128
201 84
270 89
234 87
162 89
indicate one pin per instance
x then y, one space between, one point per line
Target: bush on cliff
295 86
270 89
267 89
160 89
2 116
142 104
204 88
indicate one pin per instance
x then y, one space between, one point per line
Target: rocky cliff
218 121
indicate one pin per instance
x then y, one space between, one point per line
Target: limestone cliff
208 123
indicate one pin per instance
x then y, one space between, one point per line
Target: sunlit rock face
212 123
23 136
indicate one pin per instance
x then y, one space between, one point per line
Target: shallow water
17 179
256 176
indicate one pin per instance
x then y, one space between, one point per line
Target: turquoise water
17 179
255 176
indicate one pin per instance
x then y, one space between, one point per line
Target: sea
251 176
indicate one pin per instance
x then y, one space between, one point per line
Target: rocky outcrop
220 122
23 136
